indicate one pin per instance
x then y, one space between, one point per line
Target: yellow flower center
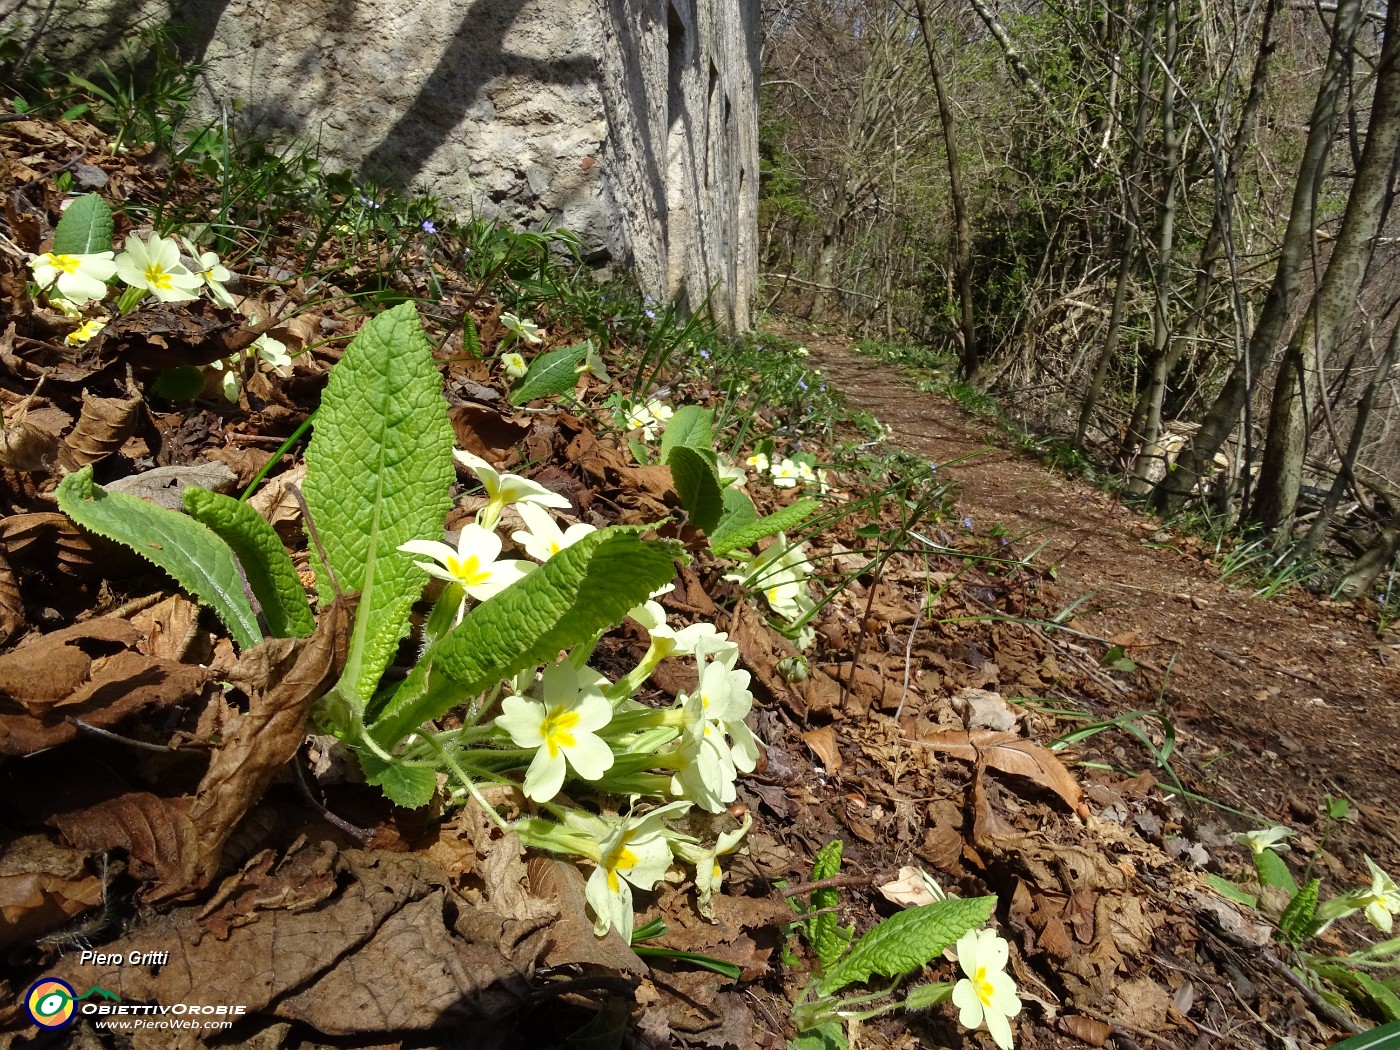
556 729
619 857
157 277
983 986
66 263
468 571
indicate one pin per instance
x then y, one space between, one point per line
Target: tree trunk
1146 69
1224 413
1150 451
1334 303
962 225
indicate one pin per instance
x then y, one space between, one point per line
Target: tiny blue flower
967 523
429 226
368 203
704 353
802 383
650 313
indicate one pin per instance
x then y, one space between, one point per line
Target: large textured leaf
691 426
744 530
85 228
378 471
827 937
697 485
907 940
271 575
201 563
580 591
549 375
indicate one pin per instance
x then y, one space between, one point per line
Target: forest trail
1275 702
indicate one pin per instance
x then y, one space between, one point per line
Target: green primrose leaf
270 572
741 533
690 426
697 485
1273 871
378 473
907 940
1296 923
549 375
1361 987
582 590
1230 891
85 228
827 938
201 563
927 995
404 785
829 1035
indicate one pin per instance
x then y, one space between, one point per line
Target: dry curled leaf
288 676
104 424
155 833
1009 753
42 886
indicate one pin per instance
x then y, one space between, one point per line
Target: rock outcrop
631 122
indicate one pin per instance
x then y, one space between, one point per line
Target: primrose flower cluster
76 285
564 728
789 471
780 572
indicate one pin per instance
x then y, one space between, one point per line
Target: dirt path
1276 701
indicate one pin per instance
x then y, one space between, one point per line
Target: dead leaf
165 486
823 744
103 425
1010 754
571 938
12 616
42 886
1086 1029
909 890
290 674
984 709
295 883
155 833
84 673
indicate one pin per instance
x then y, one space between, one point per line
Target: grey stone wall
631 122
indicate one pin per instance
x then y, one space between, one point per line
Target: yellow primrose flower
84 332
156 267
78 279
514 365
542 538
1382 900
472 563
786 474
213 273
592 364
502 489
521 328
563 727
758 461
988 994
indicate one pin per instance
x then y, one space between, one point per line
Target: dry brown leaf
12 617
1010 754
288 676
42 886
155 833
104 424
1086 1029
908 890
822 741
571 938
295 883
51 681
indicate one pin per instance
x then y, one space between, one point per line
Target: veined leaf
697 485
269 570
907 940
1273 871
201 563
85 228
404 785
1296 923
378 473
745 533
583 589
549 375
690 426
827 938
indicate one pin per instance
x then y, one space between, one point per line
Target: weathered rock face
631 122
